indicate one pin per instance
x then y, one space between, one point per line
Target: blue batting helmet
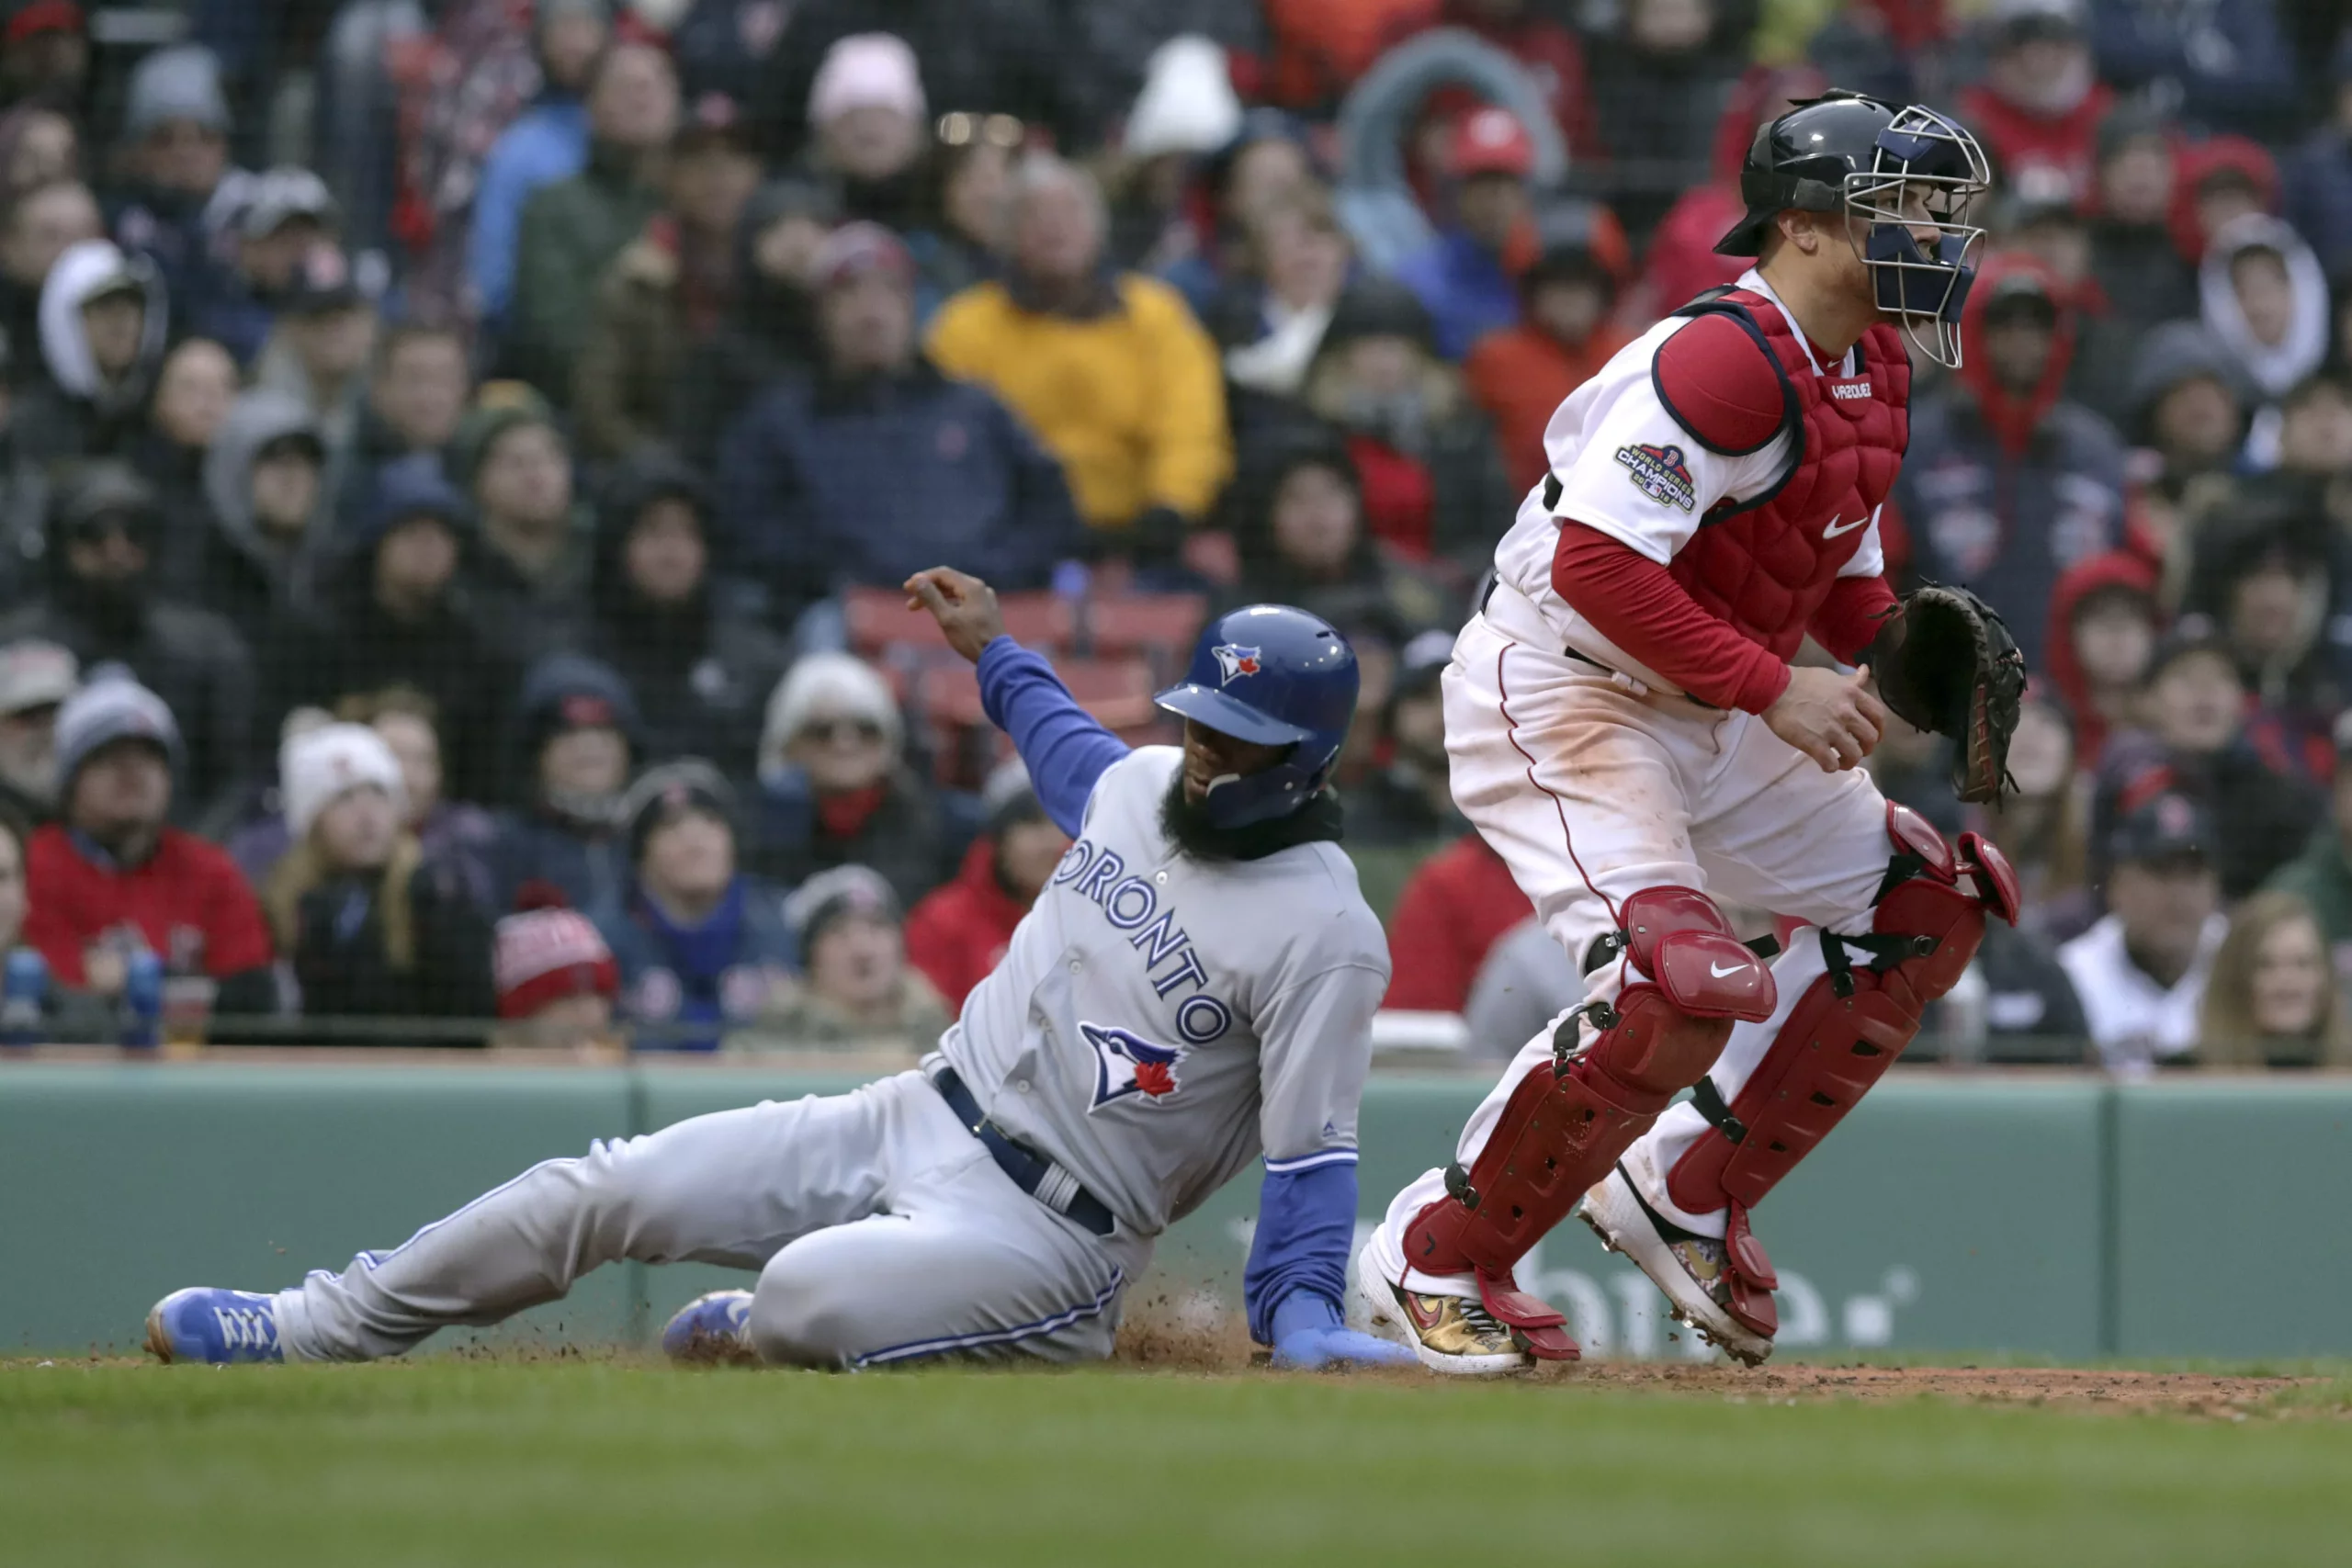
1277 676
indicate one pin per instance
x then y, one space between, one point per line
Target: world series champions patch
1660 473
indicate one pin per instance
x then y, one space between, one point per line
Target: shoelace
246 1328
1476 1314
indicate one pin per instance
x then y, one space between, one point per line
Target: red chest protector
1766 564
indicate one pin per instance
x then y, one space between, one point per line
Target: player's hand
1835 720
1336 1349
964 606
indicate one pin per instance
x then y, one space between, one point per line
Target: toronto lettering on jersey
1132 906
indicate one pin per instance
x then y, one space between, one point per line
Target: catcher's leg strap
1688 979
1840 1037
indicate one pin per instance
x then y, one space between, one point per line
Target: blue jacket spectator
877 464
579 727
2319 175
548 142
702 948
1460 278
2221 63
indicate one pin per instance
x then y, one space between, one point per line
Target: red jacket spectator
1456 907
1320 47
1681 262
2041 102
1550 52
1521 374
960 929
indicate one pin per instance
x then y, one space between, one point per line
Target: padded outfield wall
2063 1216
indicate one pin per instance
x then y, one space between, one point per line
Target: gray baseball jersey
1160 1022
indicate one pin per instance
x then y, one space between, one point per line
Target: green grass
446 1461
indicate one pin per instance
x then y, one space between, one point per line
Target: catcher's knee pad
1688 978
1852 1023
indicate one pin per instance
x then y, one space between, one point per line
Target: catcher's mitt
1956 672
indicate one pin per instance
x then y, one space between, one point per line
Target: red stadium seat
880 622
1158 626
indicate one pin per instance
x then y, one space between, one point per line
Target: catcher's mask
1902 174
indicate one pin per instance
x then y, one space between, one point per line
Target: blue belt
1028 1170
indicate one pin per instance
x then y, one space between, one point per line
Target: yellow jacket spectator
1110 369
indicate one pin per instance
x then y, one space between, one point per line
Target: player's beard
1186 823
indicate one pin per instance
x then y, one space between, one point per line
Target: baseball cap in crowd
31 18
282 195
499 407
664 794
35 673
541 956
112 706
2169 827
1490 140
323 282
2188 636
2025 21
867 71
1007 797
834 895
178 83
2022 293
319 766
855 249
101 495
571 691
407 489
713 119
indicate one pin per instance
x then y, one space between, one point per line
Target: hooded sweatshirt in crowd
2002 490
256 579
77 412
570 844
2274 368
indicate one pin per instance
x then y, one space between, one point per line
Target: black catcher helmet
1900 171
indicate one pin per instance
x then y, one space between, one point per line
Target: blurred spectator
832 790
1522 373
182 187
373 928
35 677
867 124
1433 487
105 602
1299 526
269 537
701 672
2186 401
2139 973
2222 63
856 985
1660 84
2103 623
2269 574
1456 907
2030 1012
578 737
2262 806
772 327
1110 369
2041 102
1462 279
878 465
2045 825
283 215
1185 112
545 143
965 232
193 393
394 615
1322 47
2272 1001
960 931
2133 255
103 325
64 1016
1548 50
529 583
318 350
557 982
726 46
2319 175
571 230
35 229
2041 219
1269 321
669 289
1680 262
452 832
1265 165
1410 800
113 878
416 394
702 947
2322 874
45 54
2222 179
2266 298
2007 484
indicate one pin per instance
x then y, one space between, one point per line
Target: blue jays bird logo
1233 659
1126 1064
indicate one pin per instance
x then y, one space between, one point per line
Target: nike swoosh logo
1836 529
1719 974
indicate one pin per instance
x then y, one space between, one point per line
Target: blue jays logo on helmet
1127 1066
1234 661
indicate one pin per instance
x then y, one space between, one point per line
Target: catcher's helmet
1280 677
1844 152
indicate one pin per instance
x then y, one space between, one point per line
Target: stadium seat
1158 627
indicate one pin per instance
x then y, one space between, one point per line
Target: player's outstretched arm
1064 750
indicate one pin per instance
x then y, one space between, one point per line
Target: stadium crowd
459 457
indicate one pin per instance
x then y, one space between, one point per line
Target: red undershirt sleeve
1852 616
1632 602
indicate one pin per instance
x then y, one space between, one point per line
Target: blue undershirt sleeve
1298 1265
1064 750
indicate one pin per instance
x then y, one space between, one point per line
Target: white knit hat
829 685
320 766
866 69
1187 105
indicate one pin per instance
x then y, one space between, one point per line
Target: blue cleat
202 1323
708 1331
